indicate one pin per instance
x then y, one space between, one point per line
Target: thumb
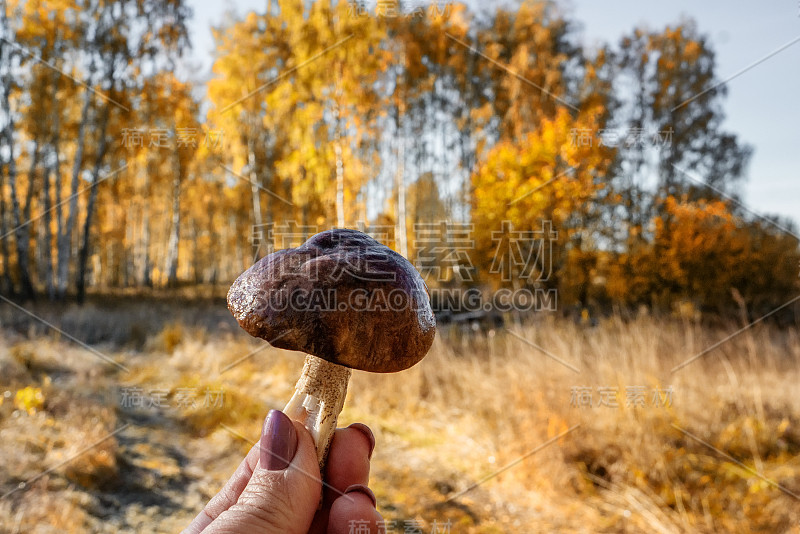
285 489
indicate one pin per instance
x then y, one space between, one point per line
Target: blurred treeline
117 173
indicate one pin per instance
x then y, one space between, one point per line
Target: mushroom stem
317 400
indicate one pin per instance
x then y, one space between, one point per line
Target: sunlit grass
469 408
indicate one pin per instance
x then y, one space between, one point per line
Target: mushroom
347 301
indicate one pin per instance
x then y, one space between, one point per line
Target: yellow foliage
700 253
29 399
547 176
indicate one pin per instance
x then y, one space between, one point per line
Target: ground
551 426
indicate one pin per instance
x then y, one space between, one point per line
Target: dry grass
471 407
630 467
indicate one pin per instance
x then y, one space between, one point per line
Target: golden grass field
711 447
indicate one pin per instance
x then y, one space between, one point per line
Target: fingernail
368 433
361 488
278 441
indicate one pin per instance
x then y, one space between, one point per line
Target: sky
763 83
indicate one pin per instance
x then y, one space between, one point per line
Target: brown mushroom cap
341 296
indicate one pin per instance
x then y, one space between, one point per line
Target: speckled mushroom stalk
380 319
318 400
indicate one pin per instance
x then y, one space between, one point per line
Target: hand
277 487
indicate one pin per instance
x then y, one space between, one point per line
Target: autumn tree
670 122
544 179
706 255
322 114
67 72
308 106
